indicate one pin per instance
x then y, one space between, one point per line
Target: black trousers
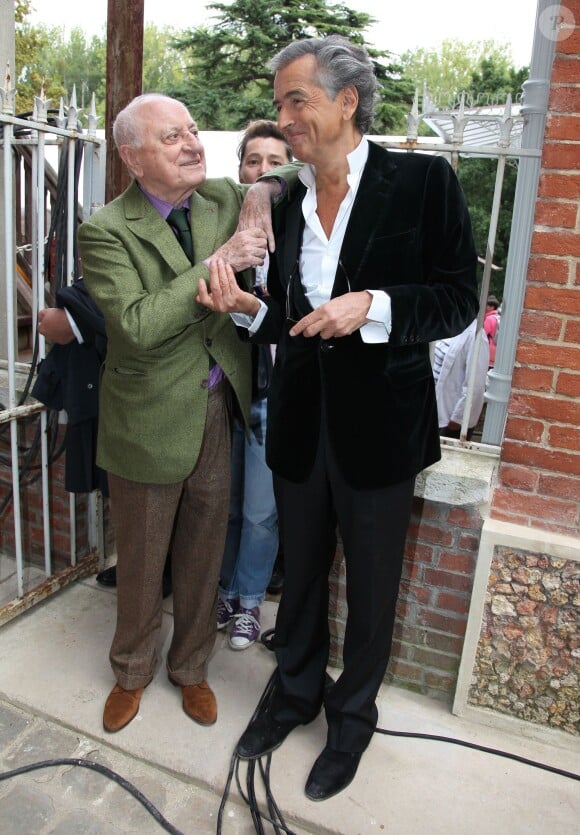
373 526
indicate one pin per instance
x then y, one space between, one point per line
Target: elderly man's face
170 162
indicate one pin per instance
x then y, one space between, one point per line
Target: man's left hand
340 316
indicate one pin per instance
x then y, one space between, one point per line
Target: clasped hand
340 316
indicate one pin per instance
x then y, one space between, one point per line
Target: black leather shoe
263 735
108 577
331 773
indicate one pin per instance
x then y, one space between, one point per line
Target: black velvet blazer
409 234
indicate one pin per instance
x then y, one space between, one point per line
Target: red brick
429 533
414 593
568 384
452 602
404 670
429 658
539 325
524 430
561 155
554 270
518 478
546 408
551 355
444 623
543 459
439 681
569 40
564 127
412 570
556 213
560 486
419 552
446 580
443 643
559 185
537 507
532 379
572 331
463 517
565 437
564 100
463 563
504 516
469 542
553 299
556 243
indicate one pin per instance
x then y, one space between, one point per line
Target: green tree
163 65
449 71
47 61
495 79
228 81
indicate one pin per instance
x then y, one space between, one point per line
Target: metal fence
43 200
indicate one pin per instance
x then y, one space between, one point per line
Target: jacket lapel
147 224
372 201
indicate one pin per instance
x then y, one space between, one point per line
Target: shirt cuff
252 323
379 328
74 327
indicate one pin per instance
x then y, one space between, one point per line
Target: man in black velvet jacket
374 260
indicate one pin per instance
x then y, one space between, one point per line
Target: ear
349 101
130 156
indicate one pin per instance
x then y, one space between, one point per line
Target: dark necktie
178 219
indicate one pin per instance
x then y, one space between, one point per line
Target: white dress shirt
319 255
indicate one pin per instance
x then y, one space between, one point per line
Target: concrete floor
55 676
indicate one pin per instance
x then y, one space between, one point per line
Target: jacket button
326 346
208 342
204 384
89 386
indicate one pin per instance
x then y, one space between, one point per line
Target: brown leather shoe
199 702
120 707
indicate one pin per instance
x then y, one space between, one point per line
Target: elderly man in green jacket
173 373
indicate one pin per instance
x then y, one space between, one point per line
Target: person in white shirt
374 259
452 364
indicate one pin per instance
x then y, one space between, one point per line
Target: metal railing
34 190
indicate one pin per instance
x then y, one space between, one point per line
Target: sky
400 26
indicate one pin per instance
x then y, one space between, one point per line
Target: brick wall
434 597
31 508
539 476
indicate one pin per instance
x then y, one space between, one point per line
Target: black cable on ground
435 737
107 772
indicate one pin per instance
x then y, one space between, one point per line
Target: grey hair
126 127
340 64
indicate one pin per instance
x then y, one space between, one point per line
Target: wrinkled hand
257 209
340 316
224 295
54 325
244 249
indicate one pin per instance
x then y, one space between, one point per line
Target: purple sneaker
226 611
246 628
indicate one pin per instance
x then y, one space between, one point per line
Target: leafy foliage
452 69
228 81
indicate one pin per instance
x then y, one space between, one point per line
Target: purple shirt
163 207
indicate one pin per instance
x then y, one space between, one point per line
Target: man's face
170 162
261 155
312 123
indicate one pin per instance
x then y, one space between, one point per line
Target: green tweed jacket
154 389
